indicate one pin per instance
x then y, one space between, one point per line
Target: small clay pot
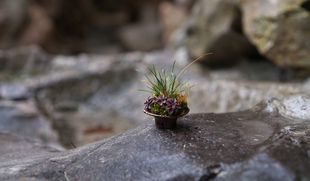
165 122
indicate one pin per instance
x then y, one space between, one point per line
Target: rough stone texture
257 144
280 30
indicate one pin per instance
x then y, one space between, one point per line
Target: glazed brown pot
165 122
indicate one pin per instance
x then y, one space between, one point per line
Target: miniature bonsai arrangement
168 95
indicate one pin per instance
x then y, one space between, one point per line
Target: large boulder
258 144
280 30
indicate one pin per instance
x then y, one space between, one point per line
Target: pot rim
168 117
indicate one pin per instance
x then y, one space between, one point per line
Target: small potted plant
168 100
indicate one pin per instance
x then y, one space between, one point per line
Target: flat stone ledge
254 144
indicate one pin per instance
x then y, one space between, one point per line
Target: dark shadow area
306 5
236 46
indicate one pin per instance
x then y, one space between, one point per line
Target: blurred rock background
74 62
71 27
276 30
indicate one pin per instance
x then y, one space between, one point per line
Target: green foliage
164 83
167 83
168 92
157 109
161 110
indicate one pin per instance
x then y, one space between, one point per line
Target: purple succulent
161 100
150 100
172 105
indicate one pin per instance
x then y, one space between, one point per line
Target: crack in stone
66 176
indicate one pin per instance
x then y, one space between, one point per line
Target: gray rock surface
62 86
257 144
83 95
89 89
11 91
22 118
227 96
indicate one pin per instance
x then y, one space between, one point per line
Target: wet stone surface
257 144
